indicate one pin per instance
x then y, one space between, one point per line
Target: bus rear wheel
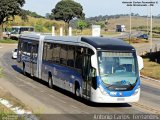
24 72
77 90
50 82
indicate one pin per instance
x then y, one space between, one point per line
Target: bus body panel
62 76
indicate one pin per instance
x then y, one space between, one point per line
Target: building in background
120 28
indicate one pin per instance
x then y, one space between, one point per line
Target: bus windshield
118 71
15 31
19 30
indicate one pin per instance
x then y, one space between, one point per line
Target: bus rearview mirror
94 61
140 62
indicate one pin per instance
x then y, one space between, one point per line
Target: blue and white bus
102 70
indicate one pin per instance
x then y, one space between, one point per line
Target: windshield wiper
109 86
104 75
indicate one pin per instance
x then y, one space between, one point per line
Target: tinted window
79 57
56 51
44 51
29 47
35 50
24 47
15 50
63 55
49 52
71 54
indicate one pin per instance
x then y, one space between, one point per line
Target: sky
94 8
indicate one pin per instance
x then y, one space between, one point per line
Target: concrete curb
150 78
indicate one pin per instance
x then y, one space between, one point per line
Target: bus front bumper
98 97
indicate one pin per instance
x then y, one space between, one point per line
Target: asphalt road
146 47
43 100
143 47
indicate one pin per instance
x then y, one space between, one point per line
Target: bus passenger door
33 59
86 76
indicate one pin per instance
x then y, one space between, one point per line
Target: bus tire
77 89
24 72
50 82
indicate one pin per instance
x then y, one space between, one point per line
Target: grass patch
4 110
136 40
156 35
13 100
8 41
151 69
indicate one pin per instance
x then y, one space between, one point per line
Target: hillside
45 25
40 24
136 22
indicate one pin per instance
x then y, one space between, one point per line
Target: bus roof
107 43
101 43
22 27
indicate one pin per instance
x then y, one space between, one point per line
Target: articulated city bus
102 70
18 30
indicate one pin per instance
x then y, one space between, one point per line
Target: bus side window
79 58
70 61
56 51
63 55
49 52
44 51
29 48
24 47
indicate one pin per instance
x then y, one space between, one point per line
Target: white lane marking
27 83
57 98
21 85
74 106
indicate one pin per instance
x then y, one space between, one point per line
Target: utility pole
151 27
130 22
147 21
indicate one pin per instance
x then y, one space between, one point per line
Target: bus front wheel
50 82
77 90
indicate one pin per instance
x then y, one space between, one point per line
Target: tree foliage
81 24
10 8
33 14
67 10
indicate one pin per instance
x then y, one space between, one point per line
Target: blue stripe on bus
64 73
118 93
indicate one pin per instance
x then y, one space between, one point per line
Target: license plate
120 99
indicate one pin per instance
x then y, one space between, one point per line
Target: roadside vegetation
4 112
45 25
151 69
156 35
9 41
136 40
40 24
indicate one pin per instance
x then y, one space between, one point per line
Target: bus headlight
103 91
136 91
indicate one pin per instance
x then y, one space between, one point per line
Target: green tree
8 9
81 24
67 10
